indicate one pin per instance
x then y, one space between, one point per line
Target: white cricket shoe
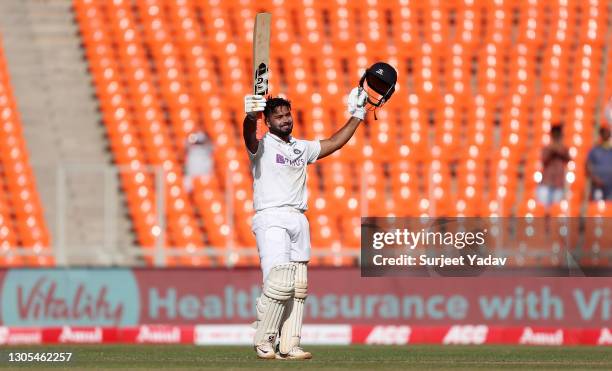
265 351
295 353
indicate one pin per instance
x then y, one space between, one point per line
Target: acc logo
389 335
466 334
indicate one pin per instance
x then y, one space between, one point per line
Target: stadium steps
62 125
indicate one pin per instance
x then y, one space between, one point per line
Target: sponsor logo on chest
282 160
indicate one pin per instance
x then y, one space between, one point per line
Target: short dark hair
273 103
557 129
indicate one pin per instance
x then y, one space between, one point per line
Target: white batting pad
292 326
278 289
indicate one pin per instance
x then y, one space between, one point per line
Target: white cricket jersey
279 172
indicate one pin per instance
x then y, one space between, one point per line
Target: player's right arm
253 104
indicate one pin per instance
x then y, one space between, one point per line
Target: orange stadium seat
137 127
481 83
24 237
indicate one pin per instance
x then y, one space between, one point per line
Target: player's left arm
339 139
356 107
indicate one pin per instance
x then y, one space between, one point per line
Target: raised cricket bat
261 61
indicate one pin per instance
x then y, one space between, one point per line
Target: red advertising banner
342 296
311 335
92 298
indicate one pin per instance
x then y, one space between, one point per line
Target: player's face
280 122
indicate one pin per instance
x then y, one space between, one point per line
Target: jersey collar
292 140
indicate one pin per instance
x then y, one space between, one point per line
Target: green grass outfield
324 357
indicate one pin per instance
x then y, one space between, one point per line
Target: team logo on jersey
280 159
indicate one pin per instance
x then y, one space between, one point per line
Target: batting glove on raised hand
254 104
356 103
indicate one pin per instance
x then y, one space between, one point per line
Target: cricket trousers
282 236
